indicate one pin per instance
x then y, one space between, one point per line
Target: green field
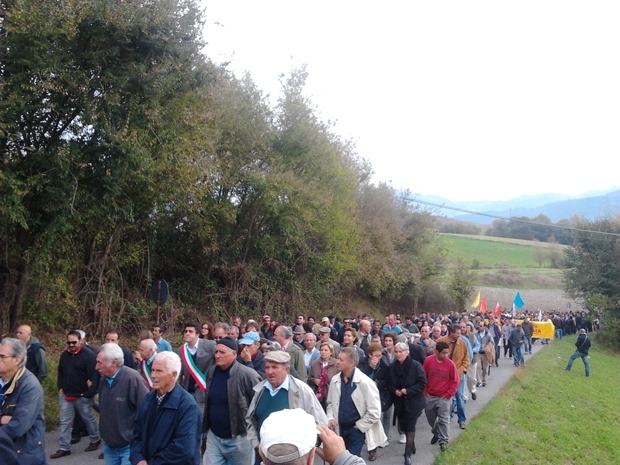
497 252
545 415
503 262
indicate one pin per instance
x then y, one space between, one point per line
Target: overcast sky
467 100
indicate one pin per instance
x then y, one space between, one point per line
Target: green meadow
503 262
545 415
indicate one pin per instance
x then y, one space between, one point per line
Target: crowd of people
216 398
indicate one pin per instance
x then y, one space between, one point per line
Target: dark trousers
353 439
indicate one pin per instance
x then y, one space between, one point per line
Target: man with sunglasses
76 368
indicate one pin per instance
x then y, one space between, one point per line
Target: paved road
391 455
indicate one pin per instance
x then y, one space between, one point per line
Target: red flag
498 310
483 306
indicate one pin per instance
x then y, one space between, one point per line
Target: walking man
121 391
167 425
583 346
21 406
442 383
77 385
229 393
353 404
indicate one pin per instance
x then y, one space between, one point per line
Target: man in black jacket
77 385
583 345
229 393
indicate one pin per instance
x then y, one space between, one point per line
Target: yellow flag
476 301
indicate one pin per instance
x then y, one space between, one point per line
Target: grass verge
545 415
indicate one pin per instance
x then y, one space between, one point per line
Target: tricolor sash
194 371
146 374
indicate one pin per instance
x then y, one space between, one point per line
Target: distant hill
555 206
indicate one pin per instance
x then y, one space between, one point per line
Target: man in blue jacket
21 406
167 426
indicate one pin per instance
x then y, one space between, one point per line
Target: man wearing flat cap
284 336
289 437
229 392
278 392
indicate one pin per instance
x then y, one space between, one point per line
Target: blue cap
249 338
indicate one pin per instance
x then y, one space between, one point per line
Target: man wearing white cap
278 392
324 336
289 437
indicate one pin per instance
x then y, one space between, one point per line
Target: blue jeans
67 408
353 440
117 456
458 400
518 350
224 451
584 358
559 333
528 344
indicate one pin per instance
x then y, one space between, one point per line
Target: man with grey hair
21 404
121 391
167 425
284 336
354 405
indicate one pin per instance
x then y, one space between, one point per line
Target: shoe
435 439
385 444
372 455
474 396
93 446
462 425
443 446
407 460
566 369
60 453
477 384
497 365
403 439
100 456
75 439
484 384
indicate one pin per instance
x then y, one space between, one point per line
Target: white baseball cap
295 427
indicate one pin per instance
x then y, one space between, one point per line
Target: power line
518 220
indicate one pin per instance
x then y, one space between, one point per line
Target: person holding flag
196 358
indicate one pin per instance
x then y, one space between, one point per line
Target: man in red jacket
442 383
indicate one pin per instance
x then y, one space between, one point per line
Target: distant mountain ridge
556 207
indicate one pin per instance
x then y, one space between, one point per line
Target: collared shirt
285 385
110 380
150 361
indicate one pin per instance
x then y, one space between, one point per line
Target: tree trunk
21 284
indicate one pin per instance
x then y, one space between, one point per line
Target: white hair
112 351
172 360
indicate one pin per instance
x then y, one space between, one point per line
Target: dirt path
546 300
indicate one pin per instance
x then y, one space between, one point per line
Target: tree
460 285
92 112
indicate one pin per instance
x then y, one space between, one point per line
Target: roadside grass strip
546 415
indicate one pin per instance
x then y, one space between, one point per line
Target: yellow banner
542 329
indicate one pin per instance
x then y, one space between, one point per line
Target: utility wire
519 220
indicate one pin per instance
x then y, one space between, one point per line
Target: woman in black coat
406 383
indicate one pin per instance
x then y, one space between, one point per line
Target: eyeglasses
2 356
72 343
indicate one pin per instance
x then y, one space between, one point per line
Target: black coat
407 375
380 377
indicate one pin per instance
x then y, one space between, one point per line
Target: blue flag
518 300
